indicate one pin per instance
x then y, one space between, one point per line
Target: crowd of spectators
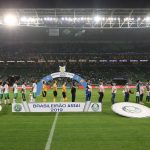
94 72
30 62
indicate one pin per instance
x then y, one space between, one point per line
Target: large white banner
62 74
56 107
132 110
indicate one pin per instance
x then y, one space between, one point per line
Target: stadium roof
76 18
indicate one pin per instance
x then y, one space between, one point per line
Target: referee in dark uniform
73 91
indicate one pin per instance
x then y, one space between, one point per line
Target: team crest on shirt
62 69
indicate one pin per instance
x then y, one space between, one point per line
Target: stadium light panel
138 19
24 19
111 19
10 20
103 19
31 19
97 18
147 19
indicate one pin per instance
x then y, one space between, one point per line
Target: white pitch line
50 137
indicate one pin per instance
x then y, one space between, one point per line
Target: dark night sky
75 3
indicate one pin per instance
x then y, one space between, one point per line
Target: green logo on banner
95 107
17 107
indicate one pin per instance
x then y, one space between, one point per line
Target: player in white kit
15 91
6 93
34 89
1 92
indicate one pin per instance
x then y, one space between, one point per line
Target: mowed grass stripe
21 131
50 137
74 131
104 132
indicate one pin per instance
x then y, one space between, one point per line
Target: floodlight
138 19
147 19
23 19
97 18
10 20
31 19
111 19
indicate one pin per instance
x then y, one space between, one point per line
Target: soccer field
74 131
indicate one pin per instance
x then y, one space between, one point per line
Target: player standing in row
138 91
23 91
55 91
148 91
15 91
88 91
141 93
6 93
64 92
114 91
34 89
44 91
73 91
101 92
126 92
1 92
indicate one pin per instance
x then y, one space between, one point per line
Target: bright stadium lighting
97 18
31 19
82 18
138 19
10 20
147 19
23 19
103 19
111 19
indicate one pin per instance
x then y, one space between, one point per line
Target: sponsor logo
17 108
95 107
62 69
131 109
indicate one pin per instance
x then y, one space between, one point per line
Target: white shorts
137 93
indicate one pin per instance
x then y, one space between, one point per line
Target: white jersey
137 93
89 88
15 87
34 87
126 89
101 88
6 88
1 89
142 90
23 88
114 89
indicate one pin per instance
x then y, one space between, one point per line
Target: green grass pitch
74 131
